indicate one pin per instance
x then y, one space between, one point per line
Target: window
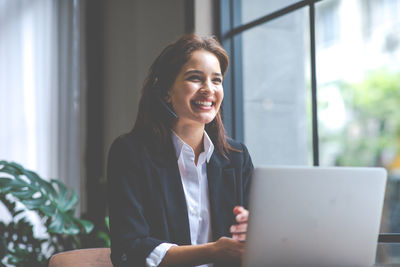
274 91
317 83
379 15
328 26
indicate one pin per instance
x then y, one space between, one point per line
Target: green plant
372 129
104 236
52 201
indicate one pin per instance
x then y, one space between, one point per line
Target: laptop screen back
314 216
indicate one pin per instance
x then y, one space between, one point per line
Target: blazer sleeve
247 172
130 240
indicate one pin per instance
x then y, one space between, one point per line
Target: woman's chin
207 120
202 120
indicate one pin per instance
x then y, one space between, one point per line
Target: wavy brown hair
152 115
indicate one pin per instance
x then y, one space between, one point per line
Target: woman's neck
191 135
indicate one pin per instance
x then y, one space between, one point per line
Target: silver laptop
314 216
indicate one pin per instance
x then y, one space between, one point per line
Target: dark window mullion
237 77
225 26
389 238
232 105
314 87
277 14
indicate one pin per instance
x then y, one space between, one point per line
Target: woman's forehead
202 60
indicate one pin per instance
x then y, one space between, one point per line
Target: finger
239 237
238 228
243 216
238 209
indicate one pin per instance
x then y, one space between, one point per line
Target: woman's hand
231 249
228 250
239 230
225 250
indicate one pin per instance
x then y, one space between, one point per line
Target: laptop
314 216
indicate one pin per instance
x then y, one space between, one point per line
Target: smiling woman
197 91
174 199
196 97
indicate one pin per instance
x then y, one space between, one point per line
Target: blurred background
310 83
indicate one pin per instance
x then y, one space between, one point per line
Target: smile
203 103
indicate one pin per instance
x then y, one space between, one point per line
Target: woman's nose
207 88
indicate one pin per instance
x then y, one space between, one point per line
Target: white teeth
203 103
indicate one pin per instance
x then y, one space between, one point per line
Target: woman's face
197 92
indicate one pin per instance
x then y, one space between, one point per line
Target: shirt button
124 257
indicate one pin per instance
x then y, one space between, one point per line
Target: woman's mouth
203 104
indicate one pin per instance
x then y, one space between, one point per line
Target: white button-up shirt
195 187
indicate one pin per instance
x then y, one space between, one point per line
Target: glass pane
358 68
388 254
254 9
275 91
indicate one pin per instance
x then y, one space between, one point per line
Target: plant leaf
71 203
48 188
104 236
32 176
34 203
18 183
24 194
72 229
48 210
5 184
87 225
62 192
107 221
52 200
57 225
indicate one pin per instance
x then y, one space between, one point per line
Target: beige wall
135 33
204 20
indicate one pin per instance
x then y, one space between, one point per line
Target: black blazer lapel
173 195
222 188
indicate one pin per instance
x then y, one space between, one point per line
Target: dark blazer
147 204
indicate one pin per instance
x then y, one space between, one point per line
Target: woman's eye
194 78
217 80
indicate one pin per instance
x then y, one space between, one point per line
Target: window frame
229 33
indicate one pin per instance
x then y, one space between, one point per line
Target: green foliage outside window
372 129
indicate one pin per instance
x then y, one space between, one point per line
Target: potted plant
54 203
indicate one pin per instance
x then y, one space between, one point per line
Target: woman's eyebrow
193 72
200 72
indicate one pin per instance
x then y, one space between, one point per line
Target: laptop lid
314 216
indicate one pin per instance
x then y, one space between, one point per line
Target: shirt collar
208 146
179 144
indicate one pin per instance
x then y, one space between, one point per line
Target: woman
178 186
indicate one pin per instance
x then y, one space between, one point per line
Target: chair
90 257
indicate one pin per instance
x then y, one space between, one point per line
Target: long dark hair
152 115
